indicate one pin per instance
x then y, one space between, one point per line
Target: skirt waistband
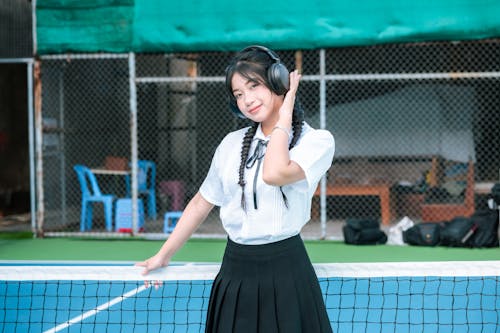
274 248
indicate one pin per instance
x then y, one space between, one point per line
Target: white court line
95 311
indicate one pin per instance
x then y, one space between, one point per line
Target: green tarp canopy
221 25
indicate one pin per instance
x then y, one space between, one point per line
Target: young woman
263 178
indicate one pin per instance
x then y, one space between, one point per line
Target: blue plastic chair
90 194
170 221
146 180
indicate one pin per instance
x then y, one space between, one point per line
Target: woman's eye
237 96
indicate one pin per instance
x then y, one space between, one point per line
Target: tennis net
360 297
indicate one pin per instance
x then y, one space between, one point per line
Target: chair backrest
88 181
146 175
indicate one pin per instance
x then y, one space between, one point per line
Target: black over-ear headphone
277 76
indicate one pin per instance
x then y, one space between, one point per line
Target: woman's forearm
278 169
277 159
194 214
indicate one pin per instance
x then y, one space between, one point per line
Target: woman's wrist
283 129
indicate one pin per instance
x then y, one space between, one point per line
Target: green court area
22 246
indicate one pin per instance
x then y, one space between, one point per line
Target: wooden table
483 187
104 171
383 191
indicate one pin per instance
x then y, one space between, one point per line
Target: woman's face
255 100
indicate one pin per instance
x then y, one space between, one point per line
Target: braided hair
253 64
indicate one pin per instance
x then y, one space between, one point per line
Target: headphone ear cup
278 77
236 111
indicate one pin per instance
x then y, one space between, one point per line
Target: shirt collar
260 135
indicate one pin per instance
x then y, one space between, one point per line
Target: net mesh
378 297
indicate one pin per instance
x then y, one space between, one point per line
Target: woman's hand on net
151 264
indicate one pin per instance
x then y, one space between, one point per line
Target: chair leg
89 216
108 207
127 186
152 205
83 217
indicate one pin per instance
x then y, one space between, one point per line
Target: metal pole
31 140
322 125
40 212
35 135
133 140
62 142
405 76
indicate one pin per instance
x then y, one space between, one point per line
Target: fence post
322 125
133 141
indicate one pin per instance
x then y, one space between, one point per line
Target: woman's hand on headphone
286 110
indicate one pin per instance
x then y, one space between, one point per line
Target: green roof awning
201 25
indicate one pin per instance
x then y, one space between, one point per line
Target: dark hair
253 64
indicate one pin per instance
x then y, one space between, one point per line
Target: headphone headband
269 52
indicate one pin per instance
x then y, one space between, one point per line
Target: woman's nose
249 99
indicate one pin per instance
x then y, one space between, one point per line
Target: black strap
257 156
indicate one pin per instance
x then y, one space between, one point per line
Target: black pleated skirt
267 288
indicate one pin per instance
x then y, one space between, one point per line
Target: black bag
486 233
495 193
363 232
426 234
479 230
458 232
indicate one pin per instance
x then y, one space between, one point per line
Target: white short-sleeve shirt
272 220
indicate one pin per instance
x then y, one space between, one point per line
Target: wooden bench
383 191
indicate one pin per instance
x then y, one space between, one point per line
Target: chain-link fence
16 29
415 126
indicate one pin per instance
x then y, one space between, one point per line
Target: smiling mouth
253 110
